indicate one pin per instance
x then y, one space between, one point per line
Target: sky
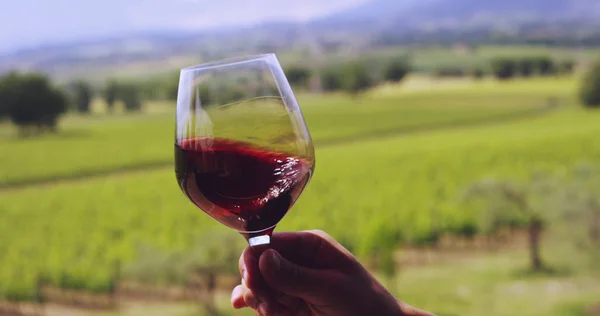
29 23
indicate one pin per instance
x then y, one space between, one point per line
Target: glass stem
259 243
259 239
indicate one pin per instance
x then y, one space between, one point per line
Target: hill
432 12
375 23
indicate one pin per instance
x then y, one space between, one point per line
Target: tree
507 199
579 204
111 93
396 70
9 94
198 268
172 86
331 79
356 78
449 72
567 66
4 99
83 96
206 97
504 68
298 76
153 89
478 73
545 66
568 201
590 87
380 240
526 66
32 102
3 112
130 95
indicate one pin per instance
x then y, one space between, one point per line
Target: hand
311 274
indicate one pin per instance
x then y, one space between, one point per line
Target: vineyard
391 169
89 146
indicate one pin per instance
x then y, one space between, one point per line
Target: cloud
30 22
204 13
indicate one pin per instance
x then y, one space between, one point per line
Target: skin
310 274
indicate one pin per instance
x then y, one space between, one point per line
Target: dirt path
126 308
595 310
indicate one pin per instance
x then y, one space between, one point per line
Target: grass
488 286
429 58
140 309
101 143
366 192
80 229
425 58
472 286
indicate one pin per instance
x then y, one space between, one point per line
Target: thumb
292 279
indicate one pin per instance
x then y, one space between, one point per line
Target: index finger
252 278
312 249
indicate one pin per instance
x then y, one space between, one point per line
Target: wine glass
243 153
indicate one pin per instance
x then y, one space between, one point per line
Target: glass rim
228 62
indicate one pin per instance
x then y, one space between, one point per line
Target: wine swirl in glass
243 152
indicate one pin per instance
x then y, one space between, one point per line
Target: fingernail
245 276
236 296
274 258
262 309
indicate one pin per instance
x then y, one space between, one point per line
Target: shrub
356 78
298 76
31 101
478 73
449 72
331 79
83 96
590 88
111 93
504 68
566 66
396 70
130 95
545 66
527 66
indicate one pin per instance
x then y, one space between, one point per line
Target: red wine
240 185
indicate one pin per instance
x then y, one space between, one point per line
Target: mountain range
430 11
393 21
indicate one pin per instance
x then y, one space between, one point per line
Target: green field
391 167
87 146
472 286
492 285
425 58
429 58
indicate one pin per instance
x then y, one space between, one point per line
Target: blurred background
457 145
